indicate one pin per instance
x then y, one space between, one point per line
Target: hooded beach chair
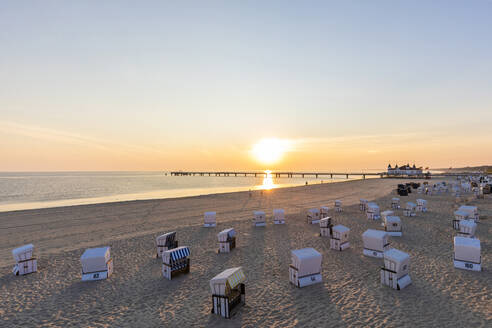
375 243
339 238
467 254
392 225
410 209
325 227
395 272
467 228
210 219
228 291
313 216
323 211
395 203
338 205
227 240
175 261
278 216
97 263
372 211
305 267
25 262
259 219
363 204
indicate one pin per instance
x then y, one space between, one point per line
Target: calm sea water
39 190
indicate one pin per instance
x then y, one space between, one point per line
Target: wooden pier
316 175
274 174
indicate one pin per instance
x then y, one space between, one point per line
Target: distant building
404 170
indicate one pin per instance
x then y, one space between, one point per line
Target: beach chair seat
467 254
395 272
175 262
228 291
97 263
305 267
166 242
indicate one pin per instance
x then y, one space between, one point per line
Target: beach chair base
421 209
373 253
25 267
169 273
227 246
467 265
305 280
362 207
389 278
336 245
259 224
395 207
395 233
338 209
224 305
99 275
325 232
209 225
316 221
279 221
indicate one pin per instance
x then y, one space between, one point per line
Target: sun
270 151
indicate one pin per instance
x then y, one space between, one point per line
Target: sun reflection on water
268 181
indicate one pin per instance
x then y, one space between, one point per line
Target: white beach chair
375 243
384 214
410 209
372 211
472 212
228 291
25 262
175 261
313 216
339 239
325 227
396 268
166 242
338 205
467 254
305 267
323 211
97 263
227 240
392 225
363 204
259 219
278 216
421 205
210 219
395 203
467 228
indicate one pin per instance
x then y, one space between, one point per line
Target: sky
195 85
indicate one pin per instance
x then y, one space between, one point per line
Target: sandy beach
138 296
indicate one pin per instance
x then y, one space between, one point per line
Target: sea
33 190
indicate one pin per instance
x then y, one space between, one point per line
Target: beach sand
138 296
